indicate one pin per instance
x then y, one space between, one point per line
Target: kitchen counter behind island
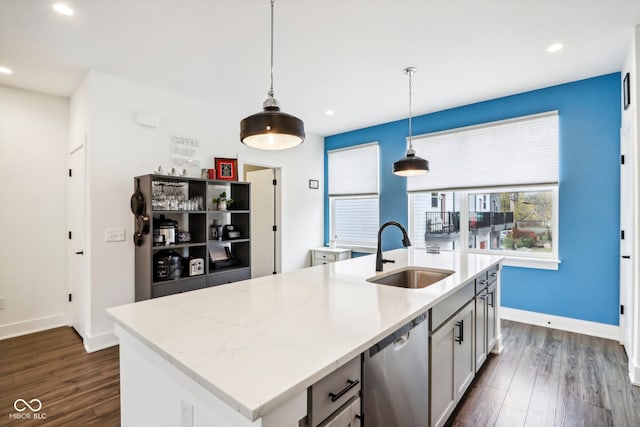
245 353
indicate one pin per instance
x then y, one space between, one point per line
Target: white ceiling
344 55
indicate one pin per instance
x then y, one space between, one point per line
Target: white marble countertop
256 343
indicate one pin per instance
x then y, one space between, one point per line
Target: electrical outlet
114 235
3 303
186 414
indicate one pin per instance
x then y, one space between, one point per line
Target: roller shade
356 221
353 170
509 152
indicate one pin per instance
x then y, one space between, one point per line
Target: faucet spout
405 242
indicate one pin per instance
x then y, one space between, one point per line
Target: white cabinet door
481 328
492 316
452 363
442 392
348 417
463 354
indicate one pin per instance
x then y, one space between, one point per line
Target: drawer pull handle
350 384
493 274
460 337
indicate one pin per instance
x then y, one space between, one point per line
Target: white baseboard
30 326
568 324
101 341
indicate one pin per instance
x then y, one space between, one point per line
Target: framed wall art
226 169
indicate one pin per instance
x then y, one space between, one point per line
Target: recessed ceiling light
329 112
556 47
5 70
63 9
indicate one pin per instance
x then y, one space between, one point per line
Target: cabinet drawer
481 282
214 279
325 256
451 305
492 274
171 287
334 390
346 417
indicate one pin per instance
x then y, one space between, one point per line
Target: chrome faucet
405 241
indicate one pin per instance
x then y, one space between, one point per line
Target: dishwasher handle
401 334
401 342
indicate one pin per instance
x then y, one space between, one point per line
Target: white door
263 218
627 259
77 259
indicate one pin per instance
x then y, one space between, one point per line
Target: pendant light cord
271 87
410 72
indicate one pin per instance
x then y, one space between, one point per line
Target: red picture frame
226 169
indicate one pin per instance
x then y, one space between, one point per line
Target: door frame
279 202
78 308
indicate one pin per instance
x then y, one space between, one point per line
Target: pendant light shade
410 165
271 129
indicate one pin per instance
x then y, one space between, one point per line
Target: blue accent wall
586 286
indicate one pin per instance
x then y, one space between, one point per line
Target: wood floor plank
567 379
579 381
481 406
76 388
510 417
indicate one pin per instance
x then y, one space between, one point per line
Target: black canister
167 265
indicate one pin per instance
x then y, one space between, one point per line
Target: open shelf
156 191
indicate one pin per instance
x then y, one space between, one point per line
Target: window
434 200
353 196
522 221
500 191
435 225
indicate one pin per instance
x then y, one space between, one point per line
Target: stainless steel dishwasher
396 378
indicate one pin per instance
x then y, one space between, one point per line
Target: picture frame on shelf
626 91
226 169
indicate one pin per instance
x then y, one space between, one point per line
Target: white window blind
356 221
353 170
509 152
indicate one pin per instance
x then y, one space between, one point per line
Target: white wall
33 144
119 149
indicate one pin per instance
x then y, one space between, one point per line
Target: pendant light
410 165
271 129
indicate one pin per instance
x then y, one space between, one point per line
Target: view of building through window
504 221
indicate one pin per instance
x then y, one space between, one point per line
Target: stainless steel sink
411 277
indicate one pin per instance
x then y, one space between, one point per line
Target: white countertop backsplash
256 343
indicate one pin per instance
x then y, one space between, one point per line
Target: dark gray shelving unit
198 223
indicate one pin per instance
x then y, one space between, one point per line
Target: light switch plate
114 235
3 303
186 414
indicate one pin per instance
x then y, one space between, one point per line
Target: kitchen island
244 354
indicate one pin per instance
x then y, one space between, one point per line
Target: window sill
521 261
539 263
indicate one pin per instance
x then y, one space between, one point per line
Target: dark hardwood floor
75 388
544 377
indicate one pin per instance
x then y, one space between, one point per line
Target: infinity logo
26 405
